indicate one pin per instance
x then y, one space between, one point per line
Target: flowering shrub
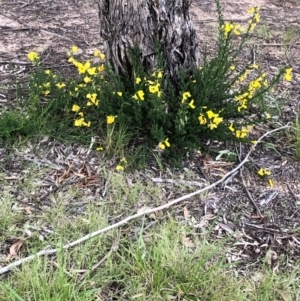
217 101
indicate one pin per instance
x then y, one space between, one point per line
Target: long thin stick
132 217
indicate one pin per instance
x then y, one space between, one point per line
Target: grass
168 261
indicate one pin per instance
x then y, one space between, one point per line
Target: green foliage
218 100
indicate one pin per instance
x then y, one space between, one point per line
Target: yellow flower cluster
153 85
264 172
81 122
211 119
121 166
164 144
253 86
288 74
84 68
186 96
92 97
110 119
242 133
229 27
254 11
33 56
139 95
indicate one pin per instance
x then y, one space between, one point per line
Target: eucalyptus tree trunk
125 24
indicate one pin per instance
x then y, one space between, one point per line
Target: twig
291 192
61 186
7 28
247 191
142 213
249 195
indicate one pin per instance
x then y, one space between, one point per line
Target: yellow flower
138 80
92 71
241 133
119 168
251 10
82 68
99 148
120 93
211 114
74 49
237 29
78 122
267 116
153 88
264 172
217 120
231 128
47 71
191 104
87 79
33 56
123 160
167 142
212 126
185 96
161 145
288 74
75 108
101 68
102 56
139 95
257 17
96 52
93 99
81 114
110 119
227 28
202 119
232 67
159 74
60 85
81 122
46 92
92 96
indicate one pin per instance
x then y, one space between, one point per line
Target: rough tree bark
127 23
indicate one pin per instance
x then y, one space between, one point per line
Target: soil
52 27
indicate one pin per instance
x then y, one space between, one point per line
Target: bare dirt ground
52 27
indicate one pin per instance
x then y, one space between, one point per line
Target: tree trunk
125 24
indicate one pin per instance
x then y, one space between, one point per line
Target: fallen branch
139 214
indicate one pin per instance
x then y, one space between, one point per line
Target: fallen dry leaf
271 256
27 209
187 242
14 249
286 296
186 213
